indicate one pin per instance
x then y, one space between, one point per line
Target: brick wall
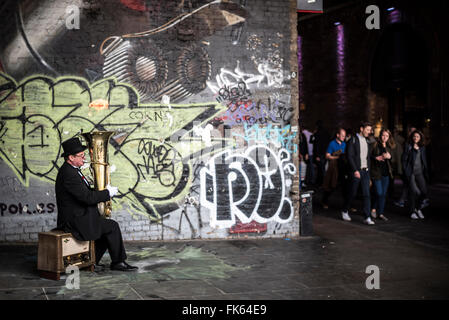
204 111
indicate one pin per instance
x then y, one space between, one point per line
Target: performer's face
77 160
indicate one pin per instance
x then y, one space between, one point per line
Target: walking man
358 155
335 172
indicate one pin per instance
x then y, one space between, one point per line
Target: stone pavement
412 256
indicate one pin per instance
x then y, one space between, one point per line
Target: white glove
112 190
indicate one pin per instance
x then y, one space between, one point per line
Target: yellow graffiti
150 144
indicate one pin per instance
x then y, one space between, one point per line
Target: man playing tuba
78 212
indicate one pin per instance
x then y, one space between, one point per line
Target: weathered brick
270 25
12 237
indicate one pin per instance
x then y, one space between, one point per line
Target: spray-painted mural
195 91
150 145
249 186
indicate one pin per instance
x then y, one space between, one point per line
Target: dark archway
399 72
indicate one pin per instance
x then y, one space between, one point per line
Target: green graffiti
149 148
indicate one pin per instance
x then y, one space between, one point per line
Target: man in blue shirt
334 173
336 145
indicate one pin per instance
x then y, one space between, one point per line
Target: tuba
97 143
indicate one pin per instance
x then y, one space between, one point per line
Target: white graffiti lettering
249 186
227 78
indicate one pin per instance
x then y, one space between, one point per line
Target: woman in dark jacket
414 163
381 170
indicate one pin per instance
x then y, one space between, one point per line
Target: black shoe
100 267
123 266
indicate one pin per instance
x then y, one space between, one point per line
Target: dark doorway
399 72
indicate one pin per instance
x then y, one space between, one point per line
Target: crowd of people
363 160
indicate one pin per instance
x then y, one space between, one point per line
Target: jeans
381 187
353 187
417 191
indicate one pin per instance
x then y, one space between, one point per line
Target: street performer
78 212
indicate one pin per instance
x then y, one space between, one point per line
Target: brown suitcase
58 249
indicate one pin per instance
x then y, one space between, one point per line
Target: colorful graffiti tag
152 157
197 93
281 137
248 186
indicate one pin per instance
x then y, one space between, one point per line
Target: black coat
353 155
408 161
320 141
376 166
303 147
77 205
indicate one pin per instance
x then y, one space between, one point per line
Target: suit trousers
111 240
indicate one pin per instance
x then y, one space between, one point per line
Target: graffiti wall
198 94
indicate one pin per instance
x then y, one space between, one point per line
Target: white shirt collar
74 166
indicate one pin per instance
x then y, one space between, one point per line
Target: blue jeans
352 192
381 187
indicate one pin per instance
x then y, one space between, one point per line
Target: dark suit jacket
353 154
77 205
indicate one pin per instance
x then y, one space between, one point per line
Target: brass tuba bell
97 143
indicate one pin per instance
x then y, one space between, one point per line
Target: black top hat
72 146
